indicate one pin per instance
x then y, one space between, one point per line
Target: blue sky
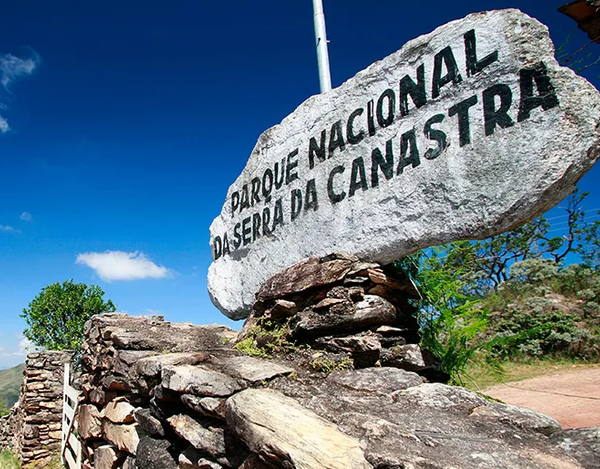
124 123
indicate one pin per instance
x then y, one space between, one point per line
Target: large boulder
402 422
289 435
463 133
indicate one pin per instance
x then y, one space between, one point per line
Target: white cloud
4 127
26 216
8 229
119 265
12 69
26 346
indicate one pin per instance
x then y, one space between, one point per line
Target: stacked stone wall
158 395
32 429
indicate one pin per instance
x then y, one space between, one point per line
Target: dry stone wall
33 427
158 395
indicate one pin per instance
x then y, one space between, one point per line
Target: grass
481 376
8 460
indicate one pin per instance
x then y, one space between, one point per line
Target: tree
458 280
3 408
484 265
56 316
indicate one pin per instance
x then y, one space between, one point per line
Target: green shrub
266 338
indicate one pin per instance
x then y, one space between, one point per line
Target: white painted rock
462 134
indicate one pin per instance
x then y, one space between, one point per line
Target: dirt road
572 397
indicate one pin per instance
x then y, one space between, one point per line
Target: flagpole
322 52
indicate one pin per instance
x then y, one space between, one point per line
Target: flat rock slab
383 380
289 435
306 274
154 334
200 437
251 369
187 379
464 133
152 366
435 426
584 443
372 310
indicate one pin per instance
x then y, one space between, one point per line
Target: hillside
10 384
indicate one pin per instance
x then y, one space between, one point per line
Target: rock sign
462 134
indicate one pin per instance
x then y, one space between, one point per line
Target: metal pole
322 52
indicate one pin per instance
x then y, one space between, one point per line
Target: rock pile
33 427
156 399
154 393
358 312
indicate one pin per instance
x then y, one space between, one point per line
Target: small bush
266 338
543 310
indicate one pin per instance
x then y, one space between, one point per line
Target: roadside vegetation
512 299
9 460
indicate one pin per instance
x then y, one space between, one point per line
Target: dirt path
572 397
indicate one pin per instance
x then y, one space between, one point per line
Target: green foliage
266 338
56 316
544 310
9 460
327 364
514 275
450 318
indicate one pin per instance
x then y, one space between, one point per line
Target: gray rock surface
208 406
408 357
141 333
344 316
376 380
149 423
203 382
379 417
202 438
154 454
106 457
250 369
532 134
520 417
152 366
581 443
429 426
289 435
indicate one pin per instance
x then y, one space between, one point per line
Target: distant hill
10 384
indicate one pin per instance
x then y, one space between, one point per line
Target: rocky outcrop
354 314
213 407
33 427
362 171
